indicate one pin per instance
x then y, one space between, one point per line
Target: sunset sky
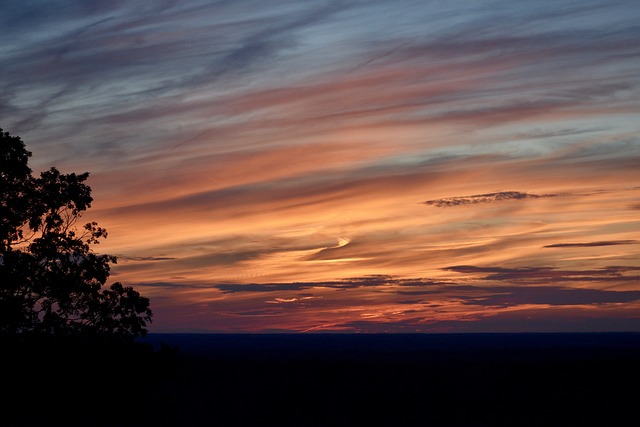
346 166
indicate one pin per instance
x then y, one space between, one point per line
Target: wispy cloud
352 283
235 147
592 244
551 295
616 274
145 258
384 304
483 198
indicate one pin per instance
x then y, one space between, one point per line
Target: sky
346 166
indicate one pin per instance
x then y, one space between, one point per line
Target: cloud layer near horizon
251 145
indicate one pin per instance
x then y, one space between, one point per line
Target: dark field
332 380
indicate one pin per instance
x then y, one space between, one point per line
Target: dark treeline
403 380
324 380
82 382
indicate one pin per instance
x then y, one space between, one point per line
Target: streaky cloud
538 275
145 258
592 244
350 283
550 295
169 285
483 198
230 288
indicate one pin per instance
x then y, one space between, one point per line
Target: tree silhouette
51 281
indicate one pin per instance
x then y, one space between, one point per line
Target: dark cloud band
592 244
483 198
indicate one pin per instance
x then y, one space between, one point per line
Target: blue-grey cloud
554 133
87 44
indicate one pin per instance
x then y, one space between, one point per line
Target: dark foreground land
329 380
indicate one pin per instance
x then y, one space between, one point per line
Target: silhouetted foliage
51 281
72 382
